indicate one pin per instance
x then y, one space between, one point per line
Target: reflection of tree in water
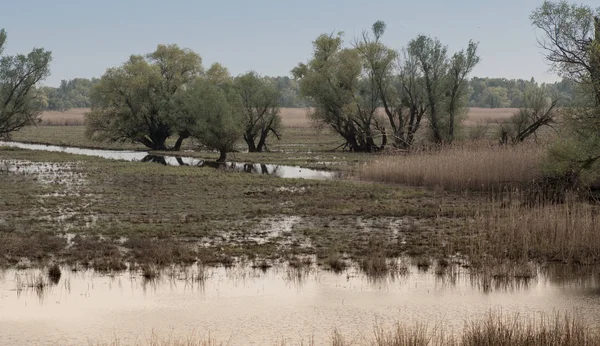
255 168
180 161
258 168
162 159
155 158
212 164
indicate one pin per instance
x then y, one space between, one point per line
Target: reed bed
479 167
495 329
72 117
567 232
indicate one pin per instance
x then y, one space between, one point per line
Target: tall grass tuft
471 167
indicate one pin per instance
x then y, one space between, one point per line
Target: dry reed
459 168
568 232
72 117
493 330
290 117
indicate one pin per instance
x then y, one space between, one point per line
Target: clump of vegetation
263 265
54 273
422 263
303 262
150 272
336 263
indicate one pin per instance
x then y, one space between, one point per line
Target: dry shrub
568 232
474 167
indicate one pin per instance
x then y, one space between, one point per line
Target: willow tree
217 113
134 102
571 41
445 83
423 81
19 99
344 101
261 110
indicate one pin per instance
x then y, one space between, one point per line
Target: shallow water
248 307
280 171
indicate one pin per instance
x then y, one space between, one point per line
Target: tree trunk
182 137
261 142
250 141
222 156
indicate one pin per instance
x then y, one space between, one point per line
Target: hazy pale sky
270 37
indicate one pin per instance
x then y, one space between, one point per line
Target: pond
280 171
251 307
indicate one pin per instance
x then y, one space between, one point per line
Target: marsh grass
336 263
494 329
470 167
568 232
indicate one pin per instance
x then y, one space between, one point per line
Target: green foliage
20 101
73 93
343 100
444 82
571 40
502 92
261 112
539 110
135 102
568 33
218 113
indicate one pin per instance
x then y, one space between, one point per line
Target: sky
269 37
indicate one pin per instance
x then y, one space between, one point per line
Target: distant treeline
509 93
484 92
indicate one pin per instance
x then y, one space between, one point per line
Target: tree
70 94
538 111
218 115
495 97
20 103
134 102
260 101
444 82
343 101
571 41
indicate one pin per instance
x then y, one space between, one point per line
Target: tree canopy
218 114
260 100
20 101
571 41
135 102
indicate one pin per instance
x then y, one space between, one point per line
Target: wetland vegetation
412 179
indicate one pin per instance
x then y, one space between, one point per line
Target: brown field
291 117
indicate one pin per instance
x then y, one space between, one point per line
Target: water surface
249 307
280 171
